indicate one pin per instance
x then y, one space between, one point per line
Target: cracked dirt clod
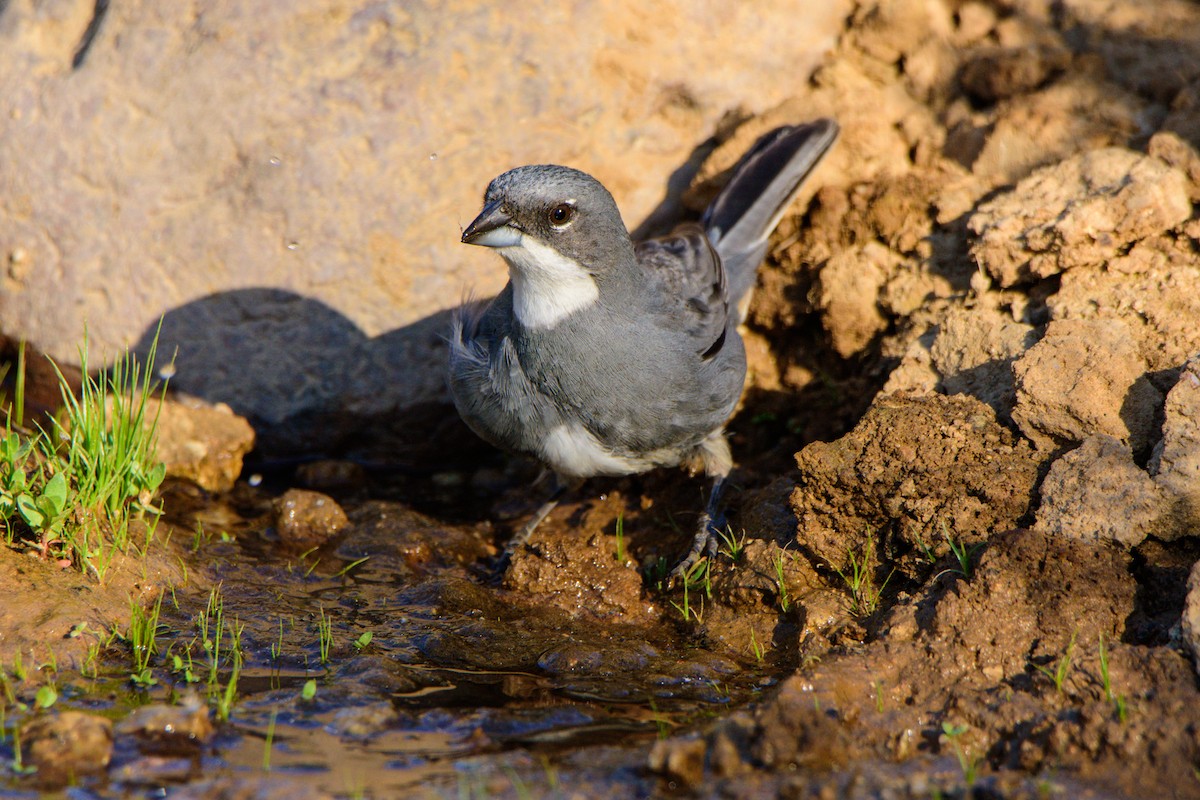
1176 460
1085 377
1078 213
1096 493
914 471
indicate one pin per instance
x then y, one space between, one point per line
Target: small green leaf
156 476
310 689
46 697
56 493
29 511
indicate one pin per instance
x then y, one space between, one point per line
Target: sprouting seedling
46 696
270 740
621 537
735 547
324 635
226 698
1059 674
700 575
686 610
966 762
209 624
1118 700
785 601
962 553
757 647
346 569
277 645
664 727
864 594
656 573
143 639
363 640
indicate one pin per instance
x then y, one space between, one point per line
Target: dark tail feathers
764 182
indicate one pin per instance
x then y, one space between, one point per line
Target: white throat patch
547 286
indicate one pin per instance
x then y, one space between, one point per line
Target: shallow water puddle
388 675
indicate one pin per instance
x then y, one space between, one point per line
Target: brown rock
1190 621
1176 460
179 730
914 470
331 475
1085 377
998 74
305 519
679 759
974 351
201 442
1078 213
1154 290
66 746
1095 493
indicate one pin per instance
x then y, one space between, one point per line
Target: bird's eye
561 214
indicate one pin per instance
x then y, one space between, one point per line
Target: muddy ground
968 486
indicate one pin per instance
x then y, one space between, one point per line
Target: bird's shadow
313 384
308 379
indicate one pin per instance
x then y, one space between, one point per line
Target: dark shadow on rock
670 210
308 379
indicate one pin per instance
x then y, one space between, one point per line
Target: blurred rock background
286 182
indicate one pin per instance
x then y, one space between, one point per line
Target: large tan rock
287 182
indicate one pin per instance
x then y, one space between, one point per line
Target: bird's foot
704 545
521 537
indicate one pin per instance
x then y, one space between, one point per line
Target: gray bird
602 357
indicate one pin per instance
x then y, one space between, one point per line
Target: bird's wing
691 284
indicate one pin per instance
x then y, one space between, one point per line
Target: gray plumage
604 358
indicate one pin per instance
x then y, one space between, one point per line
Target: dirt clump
915 472
1085 377
1081 212
1006 241
1097 493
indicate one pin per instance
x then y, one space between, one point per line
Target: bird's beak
491 228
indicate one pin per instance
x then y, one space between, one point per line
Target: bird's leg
706 540
522 536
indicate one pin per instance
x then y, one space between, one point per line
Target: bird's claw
704 545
